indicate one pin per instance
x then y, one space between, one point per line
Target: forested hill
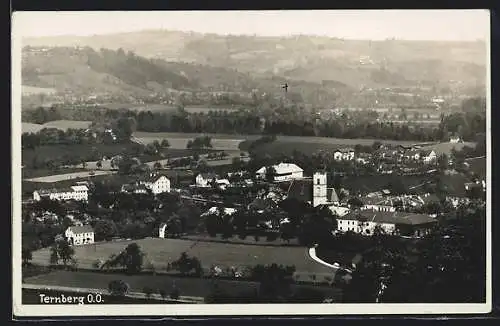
85 71
459 65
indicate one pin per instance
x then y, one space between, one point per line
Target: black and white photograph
285 162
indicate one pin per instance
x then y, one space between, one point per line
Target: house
412 155
79 235
343 154
428 156
205 179
378 204
217 211
222 183
313 190
132 188
455 139
77 192
395 223
156 183
282 172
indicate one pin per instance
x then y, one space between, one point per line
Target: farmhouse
156 183
218 211
205 179
428 156
455 139
282 172
396 223
313 190
132 188
343 154
77 192
79 235
378 204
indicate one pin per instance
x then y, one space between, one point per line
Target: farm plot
159 252
180 140
68 124
309 145
69 176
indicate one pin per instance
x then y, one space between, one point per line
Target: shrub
118 288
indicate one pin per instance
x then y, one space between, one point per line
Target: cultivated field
58 124
160 252
445 148
179 140
309 145
164 107
68 176
32 90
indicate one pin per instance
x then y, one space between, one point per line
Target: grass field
31 90
180 140
187 286
445 148
164 107
55 152
57 124
309 145
69 176
160 252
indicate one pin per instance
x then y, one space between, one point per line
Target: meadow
188 286
164 107
159 252
179 140
32 90
57 124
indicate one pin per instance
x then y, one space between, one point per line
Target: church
313 190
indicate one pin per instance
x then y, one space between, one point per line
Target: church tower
319 189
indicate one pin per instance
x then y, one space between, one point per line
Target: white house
428 156
343 154
157 184
79 235
377 204
77 192
204 179
396 223
455 139
283 172
222 183
215 210
412 155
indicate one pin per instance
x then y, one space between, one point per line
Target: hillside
317 59
83 71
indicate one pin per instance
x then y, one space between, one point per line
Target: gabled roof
331 194
153 178
81 229
301 189
208 176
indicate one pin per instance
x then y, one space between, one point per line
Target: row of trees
294 121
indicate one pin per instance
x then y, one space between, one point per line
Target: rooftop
81 229
390 217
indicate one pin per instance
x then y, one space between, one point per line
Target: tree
157 166
118 288
355 202
99 164
27 255
175 293
61 250
165 144
105 230
131 258
186 265
270 173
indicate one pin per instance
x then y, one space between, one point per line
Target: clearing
160 252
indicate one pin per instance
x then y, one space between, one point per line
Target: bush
147 291
118 288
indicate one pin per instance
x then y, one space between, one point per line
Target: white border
21 310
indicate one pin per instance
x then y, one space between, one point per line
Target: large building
344 154
282 172
395 223
79 235
313 190
77 192
156 183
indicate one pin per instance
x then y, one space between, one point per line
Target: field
445 148
309 145
160 252
163 107
179 140
187 286
31 90
68 176
58 124
55 152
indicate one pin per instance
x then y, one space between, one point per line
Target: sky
446 25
